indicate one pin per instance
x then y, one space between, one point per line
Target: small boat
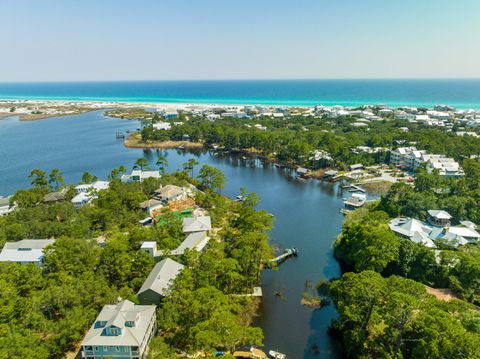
182 146
276 355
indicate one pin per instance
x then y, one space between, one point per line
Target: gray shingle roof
161 276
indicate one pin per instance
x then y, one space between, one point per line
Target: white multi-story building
410 158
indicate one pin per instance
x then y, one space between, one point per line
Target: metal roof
162 276
197 224
195 240
117 315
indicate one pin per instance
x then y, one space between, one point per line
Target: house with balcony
410 158
85 193
139 176
439 218
122 330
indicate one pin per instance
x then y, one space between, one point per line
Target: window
105 349
117 349
130 323
96 349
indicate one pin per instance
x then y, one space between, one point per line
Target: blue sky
61 40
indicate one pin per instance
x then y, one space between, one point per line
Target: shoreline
165 104
133 141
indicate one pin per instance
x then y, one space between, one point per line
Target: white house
150 247
413 229
85 193
439 218
162 125
25 251
92 187
140 176
5 207
420 232
446 167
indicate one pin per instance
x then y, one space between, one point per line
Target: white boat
276 355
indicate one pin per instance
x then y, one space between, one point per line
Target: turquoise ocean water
425 93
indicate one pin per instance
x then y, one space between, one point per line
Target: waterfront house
439 218
162 126
92 187
197 224
5 207
412 229
122 331
410 158
85 193
170 193
139 176
356 200
25 251
455 236
159 281
56 196
194 241
302 171
427 234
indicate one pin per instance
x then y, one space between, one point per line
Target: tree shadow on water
320 344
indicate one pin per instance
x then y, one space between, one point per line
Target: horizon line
254 79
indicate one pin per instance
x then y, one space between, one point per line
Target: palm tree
189 165
141 163
162 162
55 178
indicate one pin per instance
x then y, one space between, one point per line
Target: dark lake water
307 212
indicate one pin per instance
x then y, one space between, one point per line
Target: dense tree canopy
396 318
45 311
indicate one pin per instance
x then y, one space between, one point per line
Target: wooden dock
355 188
290 252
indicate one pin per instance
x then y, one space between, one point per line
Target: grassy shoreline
133 140
36 117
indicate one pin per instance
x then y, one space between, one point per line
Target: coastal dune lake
306 212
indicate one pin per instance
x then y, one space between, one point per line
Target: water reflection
306 211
